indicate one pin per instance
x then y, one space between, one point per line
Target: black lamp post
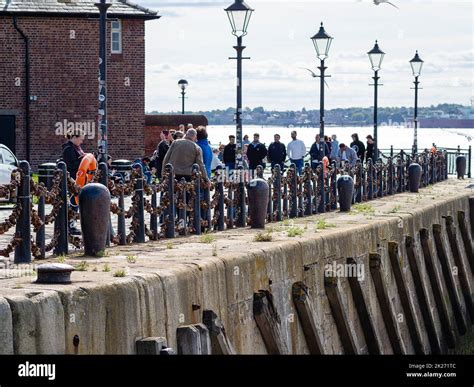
376 57
102 114
322 43
183 84
416 66
239 15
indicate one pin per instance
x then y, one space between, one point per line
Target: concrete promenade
169 283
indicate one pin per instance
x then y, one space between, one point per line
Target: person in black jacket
358 146
256 152
315 151
369 154
277 153
228 156
161 150
72 152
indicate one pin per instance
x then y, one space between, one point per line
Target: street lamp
239 15
416 66
376 57
183 84
322 42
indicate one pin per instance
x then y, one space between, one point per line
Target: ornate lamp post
322 43
376 56
239 15
183 84
416 66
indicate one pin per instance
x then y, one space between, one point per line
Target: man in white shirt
296 151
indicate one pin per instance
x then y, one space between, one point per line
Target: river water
399 137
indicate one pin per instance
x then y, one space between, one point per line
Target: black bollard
61 222
23 230
94 206
461 166
414 177
345 189
258 202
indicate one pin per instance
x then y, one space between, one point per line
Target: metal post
139 217
122 233
207 211
183 93
333 186
322 191
277 189
221 204
102 117
23 230
154 216
104 180
376 138
469 159
242 211
293 192
415 140
309 191
270 216
359 180
370 178
170 210
322 69
182 212
197 199
61 223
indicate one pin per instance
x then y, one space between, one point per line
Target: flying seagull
314 75
378 2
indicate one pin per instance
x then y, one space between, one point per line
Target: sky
193 40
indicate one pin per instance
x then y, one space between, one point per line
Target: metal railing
195 205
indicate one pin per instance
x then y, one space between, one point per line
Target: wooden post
385 307
422 297
435 283
461 268
150 345
220 343
268 322
466 240
193 340
306 315
450 285
363 312
337 309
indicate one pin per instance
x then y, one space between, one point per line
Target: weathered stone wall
108 316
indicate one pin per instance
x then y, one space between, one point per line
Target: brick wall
63 76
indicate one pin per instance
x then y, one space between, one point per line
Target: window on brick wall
116 40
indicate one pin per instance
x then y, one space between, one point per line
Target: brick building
49 53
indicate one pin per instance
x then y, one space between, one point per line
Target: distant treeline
341 116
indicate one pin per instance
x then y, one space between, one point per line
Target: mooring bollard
170 208
221 203
461 166
94 206
414 177
61 222
23 230
345 189
258 202
54 273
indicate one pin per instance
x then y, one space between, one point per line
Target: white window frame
116 30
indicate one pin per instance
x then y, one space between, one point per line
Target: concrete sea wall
416 295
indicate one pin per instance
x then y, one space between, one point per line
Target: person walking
296 151
277 153
358 146
369 153
183 154
256 152
228 156
318 151
346 154
203 143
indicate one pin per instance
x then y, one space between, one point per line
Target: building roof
74 8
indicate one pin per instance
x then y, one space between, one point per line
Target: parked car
8 162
